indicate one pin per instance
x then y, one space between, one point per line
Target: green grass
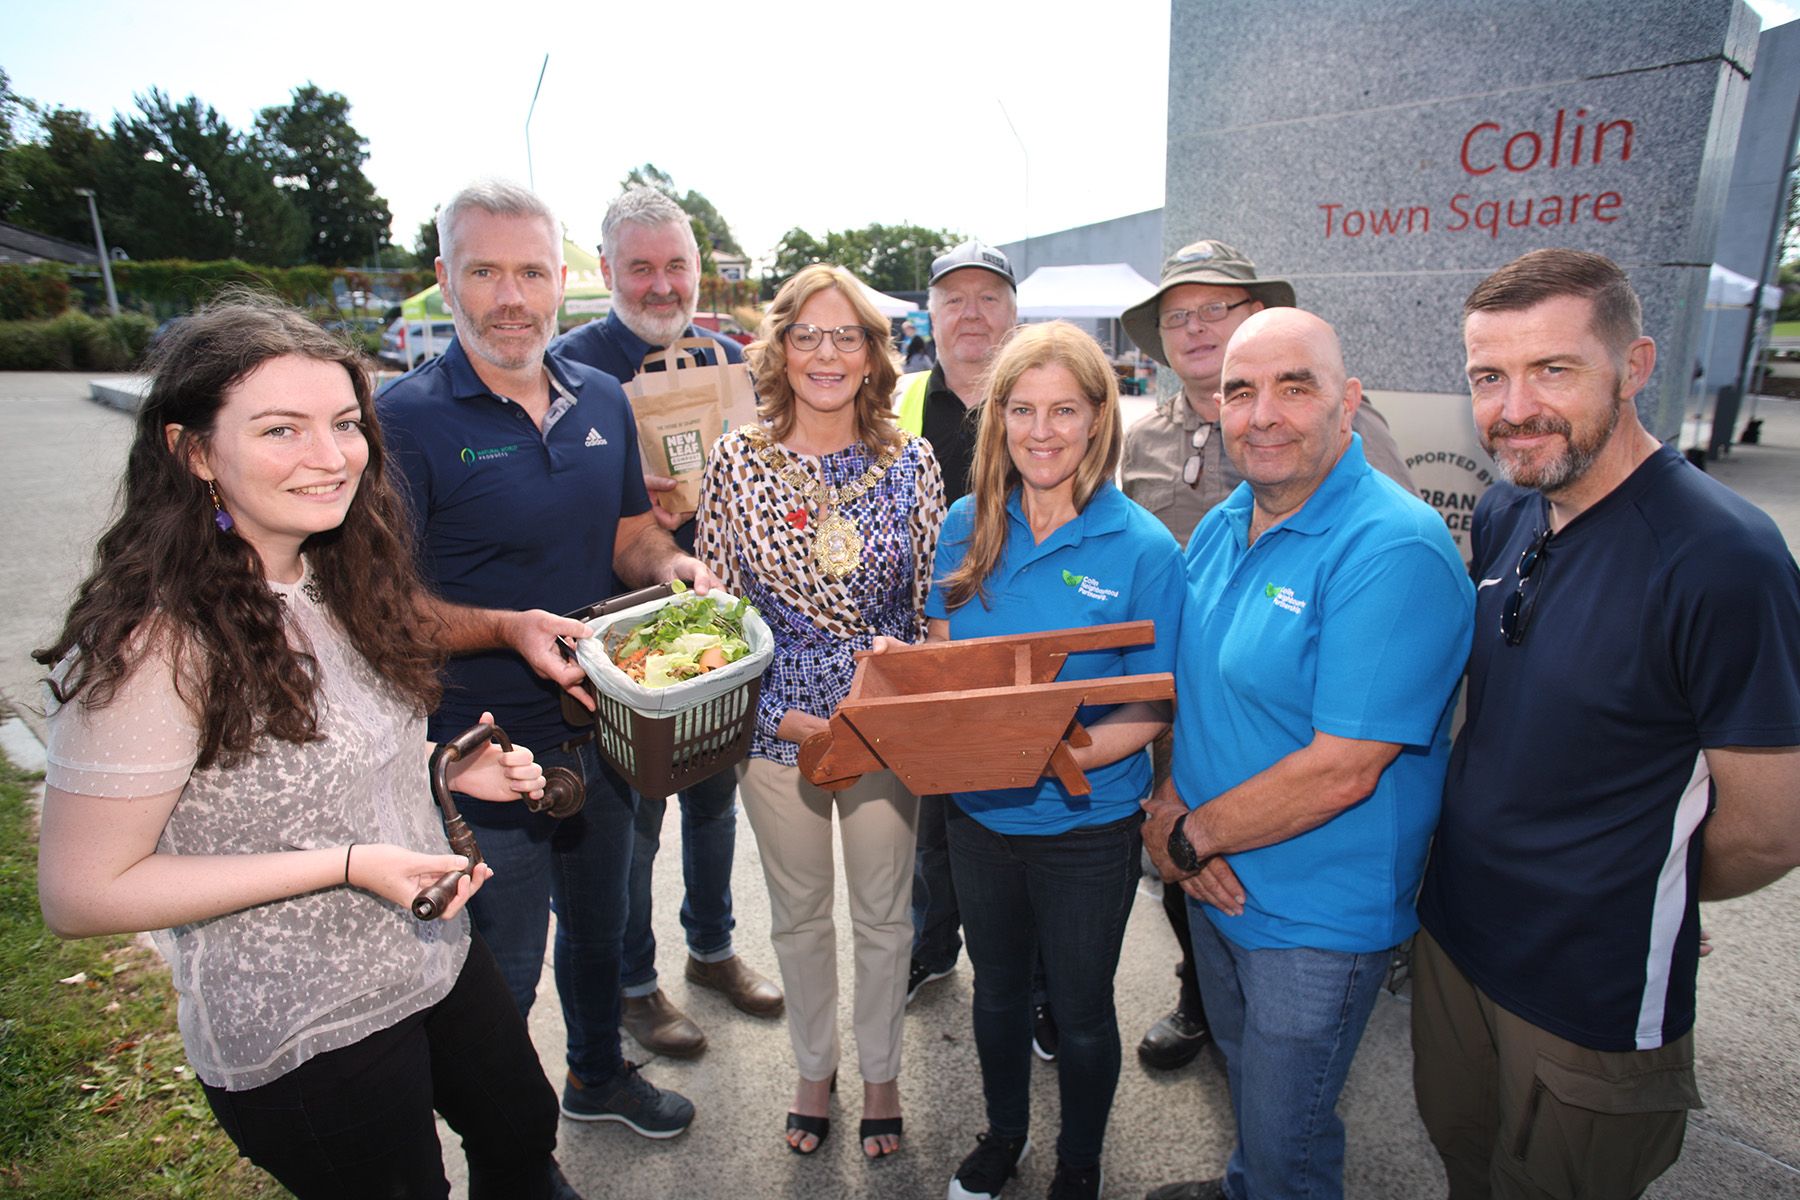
1787 329
96 1098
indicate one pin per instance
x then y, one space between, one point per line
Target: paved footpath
62 455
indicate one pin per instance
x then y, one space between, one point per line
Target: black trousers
357 1122
1174 902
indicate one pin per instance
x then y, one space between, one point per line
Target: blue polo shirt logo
472 456
1284 598
1088 586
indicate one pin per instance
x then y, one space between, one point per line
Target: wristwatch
1181 851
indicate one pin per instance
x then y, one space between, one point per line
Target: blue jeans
578 867
1065 897
708 842
937 939
1288 1023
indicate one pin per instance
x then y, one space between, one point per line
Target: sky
818 116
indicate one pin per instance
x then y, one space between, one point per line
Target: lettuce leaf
660 670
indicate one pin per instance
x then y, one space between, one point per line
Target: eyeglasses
1206 314
1190 471
847 338
1515 616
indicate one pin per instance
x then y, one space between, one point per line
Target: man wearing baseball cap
1175 465
973 304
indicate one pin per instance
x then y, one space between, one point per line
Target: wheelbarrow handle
430 902
613 604
563 796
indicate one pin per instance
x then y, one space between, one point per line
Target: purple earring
221 518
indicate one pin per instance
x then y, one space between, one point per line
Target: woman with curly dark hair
236 762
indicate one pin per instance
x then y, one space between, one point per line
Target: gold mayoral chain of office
837 546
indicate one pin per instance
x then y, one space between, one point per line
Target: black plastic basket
662 755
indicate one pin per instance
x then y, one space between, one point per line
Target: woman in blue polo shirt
1045 541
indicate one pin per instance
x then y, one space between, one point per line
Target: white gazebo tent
1091 291
888 306
1727 289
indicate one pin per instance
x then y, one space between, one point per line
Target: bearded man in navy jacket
651 261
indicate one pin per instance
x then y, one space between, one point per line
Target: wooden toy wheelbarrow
974 715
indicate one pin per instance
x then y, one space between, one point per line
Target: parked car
723 323
355 325
405 343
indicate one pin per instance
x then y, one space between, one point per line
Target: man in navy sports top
522 474
1632 747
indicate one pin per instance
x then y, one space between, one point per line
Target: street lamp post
1025 254
112 297
531 175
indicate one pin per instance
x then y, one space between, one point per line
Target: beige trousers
879 820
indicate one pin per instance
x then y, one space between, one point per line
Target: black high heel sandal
879 1127
818 1127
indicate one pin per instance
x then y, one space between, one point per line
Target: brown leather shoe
661 1028
740 984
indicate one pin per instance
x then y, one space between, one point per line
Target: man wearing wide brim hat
1174 462
1175 465
1210 263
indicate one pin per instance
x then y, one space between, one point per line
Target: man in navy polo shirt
1632 747
651 262
1326 625
525 487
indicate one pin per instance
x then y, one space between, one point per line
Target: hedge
32 293
174 286
75 342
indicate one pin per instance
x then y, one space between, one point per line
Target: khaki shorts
1521 1114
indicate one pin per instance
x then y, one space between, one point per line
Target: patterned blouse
752 535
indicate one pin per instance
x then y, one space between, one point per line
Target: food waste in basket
704 721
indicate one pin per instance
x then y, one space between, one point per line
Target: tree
44 156
425 242
316 156
889 258
796 249
710 229
196 189
66 153
10 113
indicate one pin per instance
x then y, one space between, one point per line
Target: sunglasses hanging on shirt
1190 471
1516 614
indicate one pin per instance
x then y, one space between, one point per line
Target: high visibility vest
912 401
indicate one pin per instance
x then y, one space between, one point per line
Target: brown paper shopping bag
682 409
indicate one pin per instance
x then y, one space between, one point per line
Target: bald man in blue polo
1326 625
